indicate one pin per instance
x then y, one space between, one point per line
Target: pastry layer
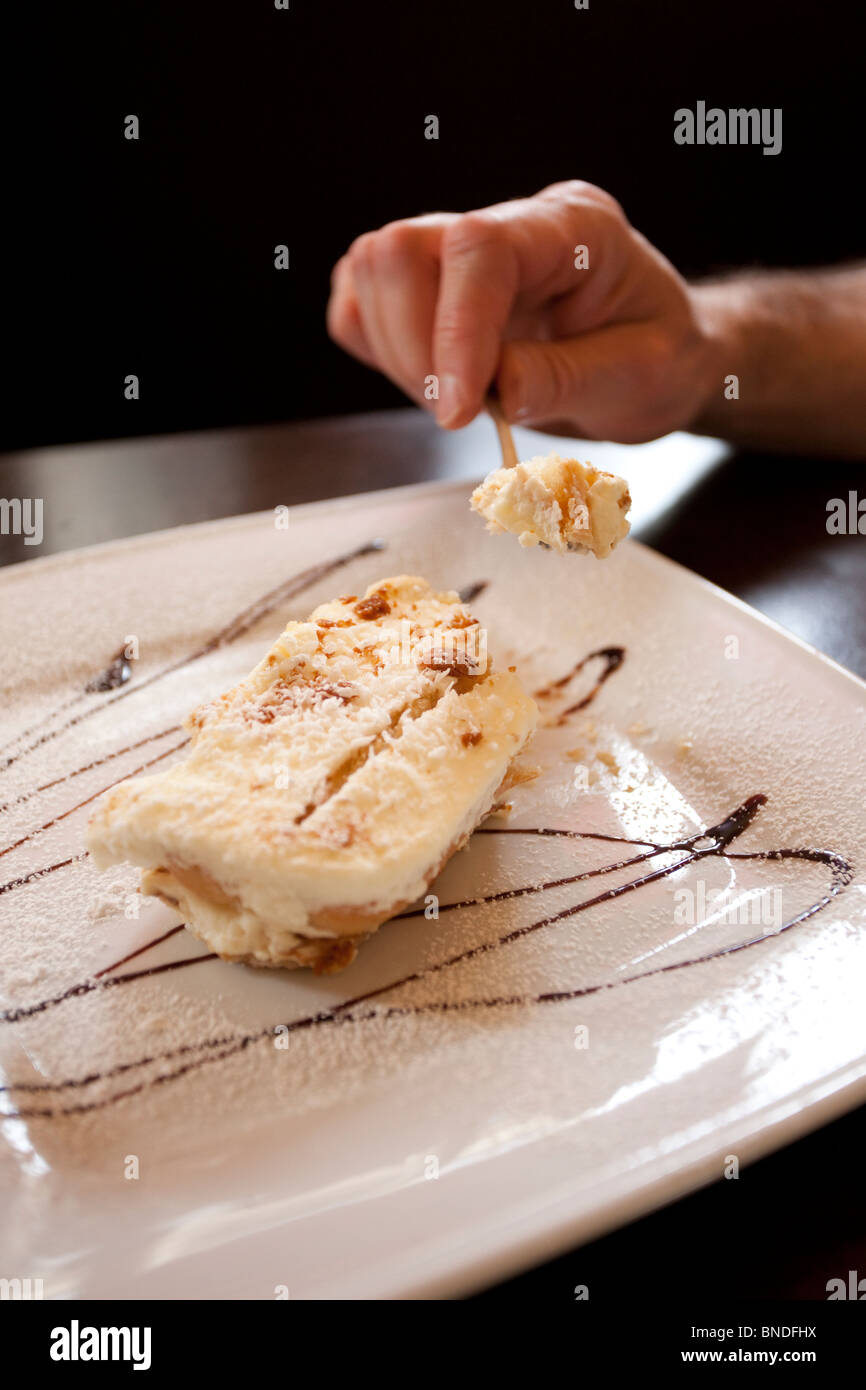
556 502
324 792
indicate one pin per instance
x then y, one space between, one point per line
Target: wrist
719 314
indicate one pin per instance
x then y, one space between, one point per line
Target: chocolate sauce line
217 1049
473 591
25 839
572 834
505 894
87 986
822 856
90 986
652 850
230 633
98 980
720 836
118 672
41 873
613 658
46 718
140 950
33 1112
840 880
88 767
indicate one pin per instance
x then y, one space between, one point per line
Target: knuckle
603 200
360 253
397 244
472 232
579 194
397 241
568 188
454 328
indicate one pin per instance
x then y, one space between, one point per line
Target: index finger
478 285
520 250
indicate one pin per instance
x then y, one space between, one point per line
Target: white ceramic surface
427 1140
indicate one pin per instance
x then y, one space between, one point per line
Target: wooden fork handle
503 429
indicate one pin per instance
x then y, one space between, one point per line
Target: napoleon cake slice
556 502
324 792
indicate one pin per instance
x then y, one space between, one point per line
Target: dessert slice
324 792
556 502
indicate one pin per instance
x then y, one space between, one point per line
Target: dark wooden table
755 525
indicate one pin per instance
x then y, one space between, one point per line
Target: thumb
590 379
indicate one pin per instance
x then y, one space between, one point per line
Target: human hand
605 343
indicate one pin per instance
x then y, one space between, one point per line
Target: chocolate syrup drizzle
230 633
88 767
703 844
467 595
42 873
139 951
25 839
116 673
472 591
613 657
714 841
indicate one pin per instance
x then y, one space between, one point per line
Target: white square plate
525 1071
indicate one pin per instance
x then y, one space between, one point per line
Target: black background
306 127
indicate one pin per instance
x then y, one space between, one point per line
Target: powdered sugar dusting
190 1069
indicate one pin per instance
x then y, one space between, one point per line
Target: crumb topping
374 606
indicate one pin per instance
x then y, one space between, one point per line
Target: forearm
795 342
